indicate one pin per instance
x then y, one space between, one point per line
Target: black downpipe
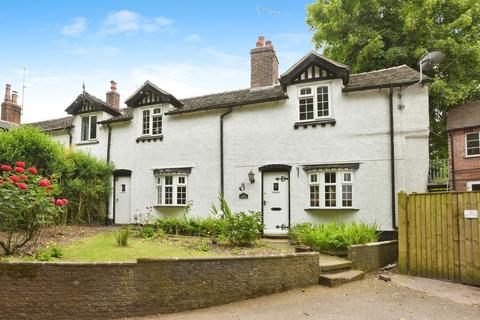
222 184
453 161
70 137
108 161
392 160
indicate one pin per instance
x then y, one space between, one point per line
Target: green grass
103 247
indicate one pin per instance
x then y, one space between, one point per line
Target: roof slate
7 125
54 124
401 75
231 99
464 116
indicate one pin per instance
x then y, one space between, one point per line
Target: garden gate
439 235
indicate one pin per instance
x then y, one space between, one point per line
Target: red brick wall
11 112
52 291
465 168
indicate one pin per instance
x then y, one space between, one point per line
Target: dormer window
314 103
152 121
89 128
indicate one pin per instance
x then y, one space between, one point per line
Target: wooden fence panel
436 240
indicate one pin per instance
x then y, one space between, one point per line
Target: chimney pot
8 96
113 85
268 43
261 41
14 97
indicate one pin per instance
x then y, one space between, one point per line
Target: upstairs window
314 103
152 121
172 190
89 128
331 189
472 144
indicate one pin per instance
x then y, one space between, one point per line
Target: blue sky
185 47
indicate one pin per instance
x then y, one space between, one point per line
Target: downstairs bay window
171 190
331 189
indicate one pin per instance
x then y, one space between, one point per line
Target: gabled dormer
152 103
314 67
86 103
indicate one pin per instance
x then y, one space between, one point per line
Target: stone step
335 279
333 264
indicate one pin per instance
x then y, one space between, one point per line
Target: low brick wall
374 255
36 290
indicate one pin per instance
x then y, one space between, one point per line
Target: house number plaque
470 214
243 195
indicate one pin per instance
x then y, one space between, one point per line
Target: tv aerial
430 61
271 12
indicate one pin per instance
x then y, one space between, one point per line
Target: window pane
473 151
157 111
305 91
347 195
322 101
330 196
168 180
472 143
85 128
93 127
168 194
314 196
347 177
181 195
181 180
156 124
313 178
146 122
306 109
330 177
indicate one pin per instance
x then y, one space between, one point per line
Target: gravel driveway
368 299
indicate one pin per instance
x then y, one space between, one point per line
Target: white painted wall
263 134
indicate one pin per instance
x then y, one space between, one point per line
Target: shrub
241 229
27 204
333 236
81 178
146 232
49 251
122 236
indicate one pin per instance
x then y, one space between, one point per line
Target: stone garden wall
36 290
374 255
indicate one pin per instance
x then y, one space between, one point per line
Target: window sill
472 156
150 138
82 143
169 205
314 123
331 209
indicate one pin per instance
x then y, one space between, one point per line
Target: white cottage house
314 144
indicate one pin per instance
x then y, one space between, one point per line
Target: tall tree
375 34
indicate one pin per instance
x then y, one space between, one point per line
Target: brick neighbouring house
463 127
11 112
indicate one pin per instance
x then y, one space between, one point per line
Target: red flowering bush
27 203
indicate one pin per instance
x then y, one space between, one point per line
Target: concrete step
335 279
332 264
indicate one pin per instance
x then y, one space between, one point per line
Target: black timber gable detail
86 103
149 94
314 67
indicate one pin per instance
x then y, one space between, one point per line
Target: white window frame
151 118
470 185
176 184
466 145
339 183
314 95
89 129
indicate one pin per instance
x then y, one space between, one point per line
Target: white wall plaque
470 214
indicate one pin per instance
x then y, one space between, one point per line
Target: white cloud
125 21
110 51
193 38
76 28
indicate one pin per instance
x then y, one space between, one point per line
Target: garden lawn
102 247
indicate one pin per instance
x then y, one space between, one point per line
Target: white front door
122 200
275 203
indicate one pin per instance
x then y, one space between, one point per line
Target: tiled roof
7 125
54 124
231 99
464 116
127 114
401 75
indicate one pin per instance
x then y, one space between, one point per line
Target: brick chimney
264 64
11 111
113 97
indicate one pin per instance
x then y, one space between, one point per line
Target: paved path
368 299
